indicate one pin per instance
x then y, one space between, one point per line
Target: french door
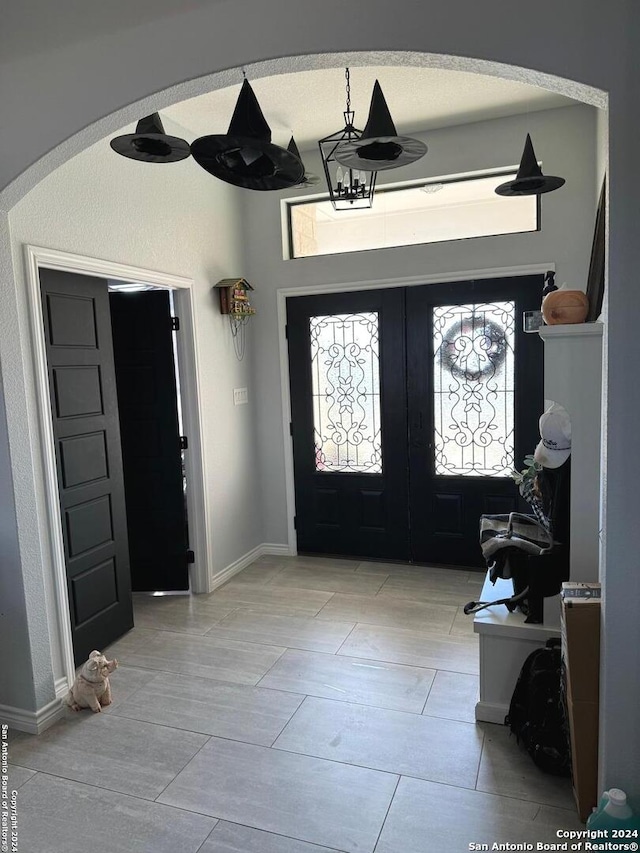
349 423
410 408
474 395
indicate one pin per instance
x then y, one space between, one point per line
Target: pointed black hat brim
384 152
530 186
380 146
248 162
151 147
529 180
245 155
150 144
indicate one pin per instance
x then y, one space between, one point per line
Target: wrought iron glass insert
473 388
345 369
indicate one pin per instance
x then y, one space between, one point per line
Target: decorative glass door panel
345 375
474 383
473 389
349 423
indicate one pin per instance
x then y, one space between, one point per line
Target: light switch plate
240 396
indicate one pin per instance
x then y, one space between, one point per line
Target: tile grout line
208 835
377 769
120 794
484 740
272 746
433 681
311 844
290 752
333 594
155 800
393 796
264 675
337 651
300 704
31 778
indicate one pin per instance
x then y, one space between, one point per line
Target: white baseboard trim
246 560
487 712
277 550
62 687
32 722
235 567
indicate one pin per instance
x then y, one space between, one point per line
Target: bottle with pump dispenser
614 813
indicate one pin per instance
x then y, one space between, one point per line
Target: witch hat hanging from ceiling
379 147
308 179
530 180
245 155
151 144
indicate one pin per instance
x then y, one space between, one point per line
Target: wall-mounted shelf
574 330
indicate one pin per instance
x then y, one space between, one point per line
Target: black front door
475 393
346 357
151 451
410 408
87 441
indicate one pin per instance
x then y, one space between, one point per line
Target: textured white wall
17 678
77 89
177 219
564 139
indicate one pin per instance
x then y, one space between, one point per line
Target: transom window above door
452 208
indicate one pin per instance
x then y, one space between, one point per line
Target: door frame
49 517
409 281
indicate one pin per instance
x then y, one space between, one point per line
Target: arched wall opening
107 125
18 385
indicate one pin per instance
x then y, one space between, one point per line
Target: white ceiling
310 104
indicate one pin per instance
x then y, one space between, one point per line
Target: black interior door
151 450
346 356
87 440
475 393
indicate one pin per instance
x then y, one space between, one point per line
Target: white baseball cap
555 431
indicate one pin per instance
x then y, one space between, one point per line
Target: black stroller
532 550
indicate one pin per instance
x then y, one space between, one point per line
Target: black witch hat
379 147
530 180
308 179
150 143
245 155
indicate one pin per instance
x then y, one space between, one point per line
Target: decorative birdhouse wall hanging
234 302
234 297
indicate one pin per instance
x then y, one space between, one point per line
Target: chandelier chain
346 74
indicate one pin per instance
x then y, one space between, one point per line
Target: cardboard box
583 729
580 628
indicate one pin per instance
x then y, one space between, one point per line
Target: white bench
505 641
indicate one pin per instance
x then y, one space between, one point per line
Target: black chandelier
348 188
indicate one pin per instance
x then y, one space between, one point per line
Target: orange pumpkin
565 306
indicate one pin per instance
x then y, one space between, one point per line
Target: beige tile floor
309 705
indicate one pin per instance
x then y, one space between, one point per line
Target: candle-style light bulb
339 177
356 179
